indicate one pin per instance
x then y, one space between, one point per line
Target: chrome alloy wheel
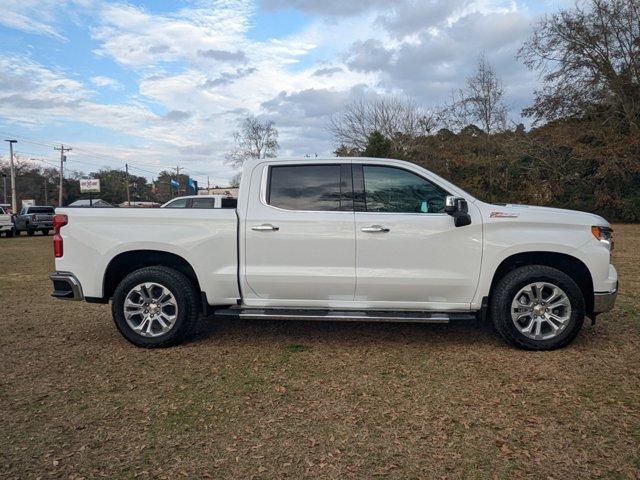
150 309
541 310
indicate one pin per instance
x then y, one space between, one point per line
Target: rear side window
229 203
203 203
389 189
41 210
310 187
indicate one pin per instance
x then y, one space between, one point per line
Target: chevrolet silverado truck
34 218
358 239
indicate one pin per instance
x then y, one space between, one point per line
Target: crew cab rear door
299 233
409 253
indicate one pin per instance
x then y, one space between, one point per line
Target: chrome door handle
265 227
375 228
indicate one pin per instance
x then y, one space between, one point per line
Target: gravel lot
251 399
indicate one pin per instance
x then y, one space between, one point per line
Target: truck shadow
224 330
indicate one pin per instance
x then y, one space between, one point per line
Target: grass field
251 399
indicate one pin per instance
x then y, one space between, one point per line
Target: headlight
603 234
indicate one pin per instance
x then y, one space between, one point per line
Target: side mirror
457 207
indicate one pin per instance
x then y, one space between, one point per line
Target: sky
161 83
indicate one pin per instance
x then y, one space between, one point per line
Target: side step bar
343 315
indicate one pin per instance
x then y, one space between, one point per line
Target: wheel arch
127 262
572 266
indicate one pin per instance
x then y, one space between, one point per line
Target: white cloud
101 81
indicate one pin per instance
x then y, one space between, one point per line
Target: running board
343 315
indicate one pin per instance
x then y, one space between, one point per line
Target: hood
529 213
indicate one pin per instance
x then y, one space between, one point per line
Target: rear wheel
155 307
10 233
537 308
30 231
45 232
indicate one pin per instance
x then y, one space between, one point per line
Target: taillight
59 221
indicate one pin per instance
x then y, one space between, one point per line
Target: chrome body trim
75 289
604 301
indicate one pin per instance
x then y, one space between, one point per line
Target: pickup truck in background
358 239
6 223
33 218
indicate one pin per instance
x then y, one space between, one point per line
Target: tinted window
41 210
229 202
389 189
203 203
308 187
179 203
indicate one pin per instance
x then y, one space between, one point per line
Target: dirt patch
252 399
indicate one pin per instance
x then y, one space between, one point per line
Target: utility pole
177 169
14 202
63 159
4 186
126 167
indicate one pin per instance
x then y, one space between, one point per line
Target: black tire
45 232
186 296
10 233
509 286
30 232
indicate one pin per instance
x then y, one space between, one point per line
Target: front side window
179 203
309 187
203 203
389 189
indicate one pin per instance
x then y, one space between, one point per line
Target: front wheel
45 232
155 307
537 308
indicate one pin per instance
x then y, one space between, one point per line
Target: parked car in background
6 223
343 238
95 203
34 218
202 201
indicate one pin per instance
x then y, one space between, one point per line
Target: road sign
90 185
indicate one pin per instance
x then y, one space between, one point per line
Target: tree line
41 185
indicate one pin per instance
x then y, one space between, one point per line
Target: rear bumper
604 301
66 286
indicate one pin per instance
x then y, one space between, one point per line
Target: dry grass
292 399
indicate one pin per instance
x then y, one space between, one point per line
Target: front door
300 236
409 253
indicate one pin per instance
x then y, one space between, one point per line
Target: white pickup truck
343 238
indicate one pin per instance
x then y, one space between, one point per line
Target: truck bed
206 239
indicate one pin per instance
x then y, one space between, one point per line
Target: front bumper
604 301
66 286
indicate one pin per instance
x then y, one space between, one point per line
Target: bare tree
480 102
588 56
255 139
398 120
